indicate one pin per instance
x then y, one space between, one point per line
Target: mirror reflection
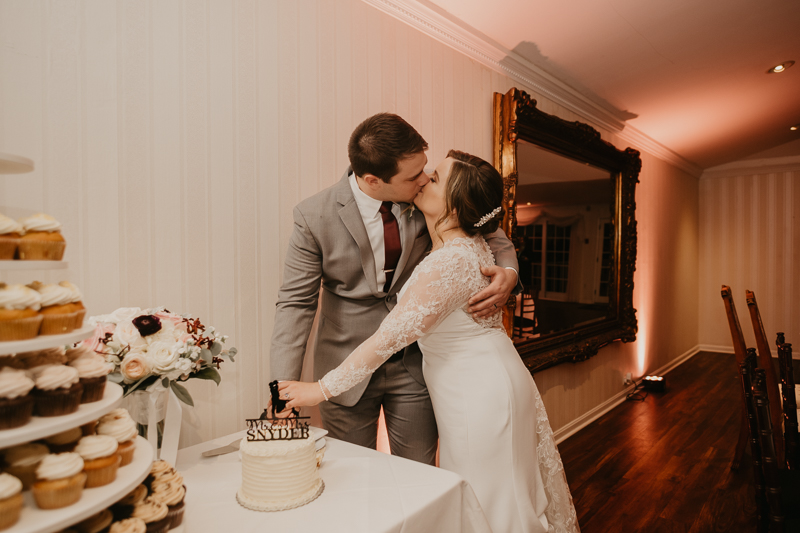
565 242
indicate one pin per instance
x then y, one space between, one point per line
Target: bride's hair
474 191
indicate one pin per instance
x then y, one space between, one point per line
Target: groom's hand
492 299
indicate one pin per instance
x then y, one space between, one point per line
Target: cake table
365 491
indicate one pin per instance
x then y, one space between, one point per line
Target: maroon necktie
391 243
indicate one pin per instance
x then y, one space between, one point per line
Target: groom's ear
372 181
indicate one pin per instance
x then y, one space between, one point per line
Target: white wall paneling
172 139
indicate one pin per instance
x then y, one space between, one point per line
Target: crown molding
754 166
445 28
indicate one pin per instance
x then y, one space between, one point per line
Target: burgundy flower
147 324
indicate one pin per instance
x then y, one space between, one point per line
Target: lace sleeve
440 284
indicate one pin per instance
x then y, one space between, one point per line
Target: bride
493 428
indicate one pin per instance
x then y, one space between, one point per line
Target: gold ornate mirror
570 211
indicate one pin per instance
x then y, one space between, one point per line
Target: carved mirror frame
516 117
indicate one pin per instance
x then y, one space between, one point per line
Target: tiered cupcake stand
33 519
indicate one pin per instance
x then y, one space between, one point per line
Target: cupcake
50 356
100 459
19 312
16 402
169 475
119 425
23 460
123 508
92 371
76 301
59 481
42 239
58 390
10 233
96 523
58 313
89 428
64 441
172 495
154 513
10 500
128 525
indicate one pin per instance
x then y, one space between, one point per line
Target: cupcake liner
20 329
58 402
15 412
10 509
58 493
35 250
8 247
57 324
175 514
101 471
125 451
93 389
162 526
78 320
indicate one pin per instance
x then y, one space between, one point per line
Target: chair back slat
765 362
739 346
746 371
790 434
769 458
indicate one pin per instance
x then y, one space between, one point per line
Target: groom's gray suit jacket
330 246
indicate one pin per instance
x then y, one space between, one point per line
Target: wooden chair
765 362
746 371
740 351
525 319
790 434
782 486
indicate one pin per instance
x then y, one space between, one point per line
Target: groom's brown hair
380 142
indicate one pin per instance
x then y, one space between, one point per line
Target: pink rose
94 342
134 366
176 320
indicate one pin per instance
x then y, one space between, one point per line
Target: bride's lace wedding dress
493 428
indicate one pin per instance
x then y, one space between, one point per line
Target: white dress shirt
370 213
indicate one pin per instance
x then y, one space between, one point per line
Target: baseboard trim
590 416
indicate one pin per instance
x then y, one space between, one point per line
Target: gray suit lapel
351 218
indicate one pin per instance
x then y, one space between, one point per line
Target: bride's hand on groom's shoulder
299 394
492 299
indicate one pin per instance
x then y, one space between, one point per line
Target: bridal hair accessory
486 218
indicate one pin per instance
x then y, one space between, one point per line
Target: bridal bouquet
153 348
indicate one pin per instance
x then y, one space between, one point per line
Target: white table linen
365 491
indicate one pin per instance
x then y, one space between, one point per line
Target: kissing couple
410 272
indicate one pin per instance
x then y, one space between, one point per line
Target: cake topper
273 427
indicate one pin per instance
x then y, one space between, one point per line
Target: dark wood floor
663 465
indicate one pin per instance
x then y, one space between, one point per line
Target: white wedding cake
278 474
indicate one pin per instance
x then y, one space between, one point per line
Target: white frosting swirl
79 351
40 222
76 294
56 377
119 412
14 383
17 296
129 525
150 510
59 466
168 493
9 486
122 429
9 225
91 365
25 454
96 446
55 295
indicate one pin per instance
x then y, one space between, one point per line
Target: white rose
163 355
182 366
126 334
167 333
134 366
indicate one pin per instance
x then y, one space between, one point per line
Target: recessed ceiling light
780 68
795 127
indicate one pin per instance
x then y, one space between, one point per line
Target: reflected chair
525 319
740 351
765 362
781 487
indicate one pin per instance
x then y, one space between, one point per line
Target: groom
353 247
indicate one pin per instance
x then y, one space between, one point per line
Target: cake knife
232 447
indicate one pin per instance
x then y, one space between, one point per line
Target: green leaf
165 382
231 352
141 384
209 372
182 394
205 355
115 377
216 348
